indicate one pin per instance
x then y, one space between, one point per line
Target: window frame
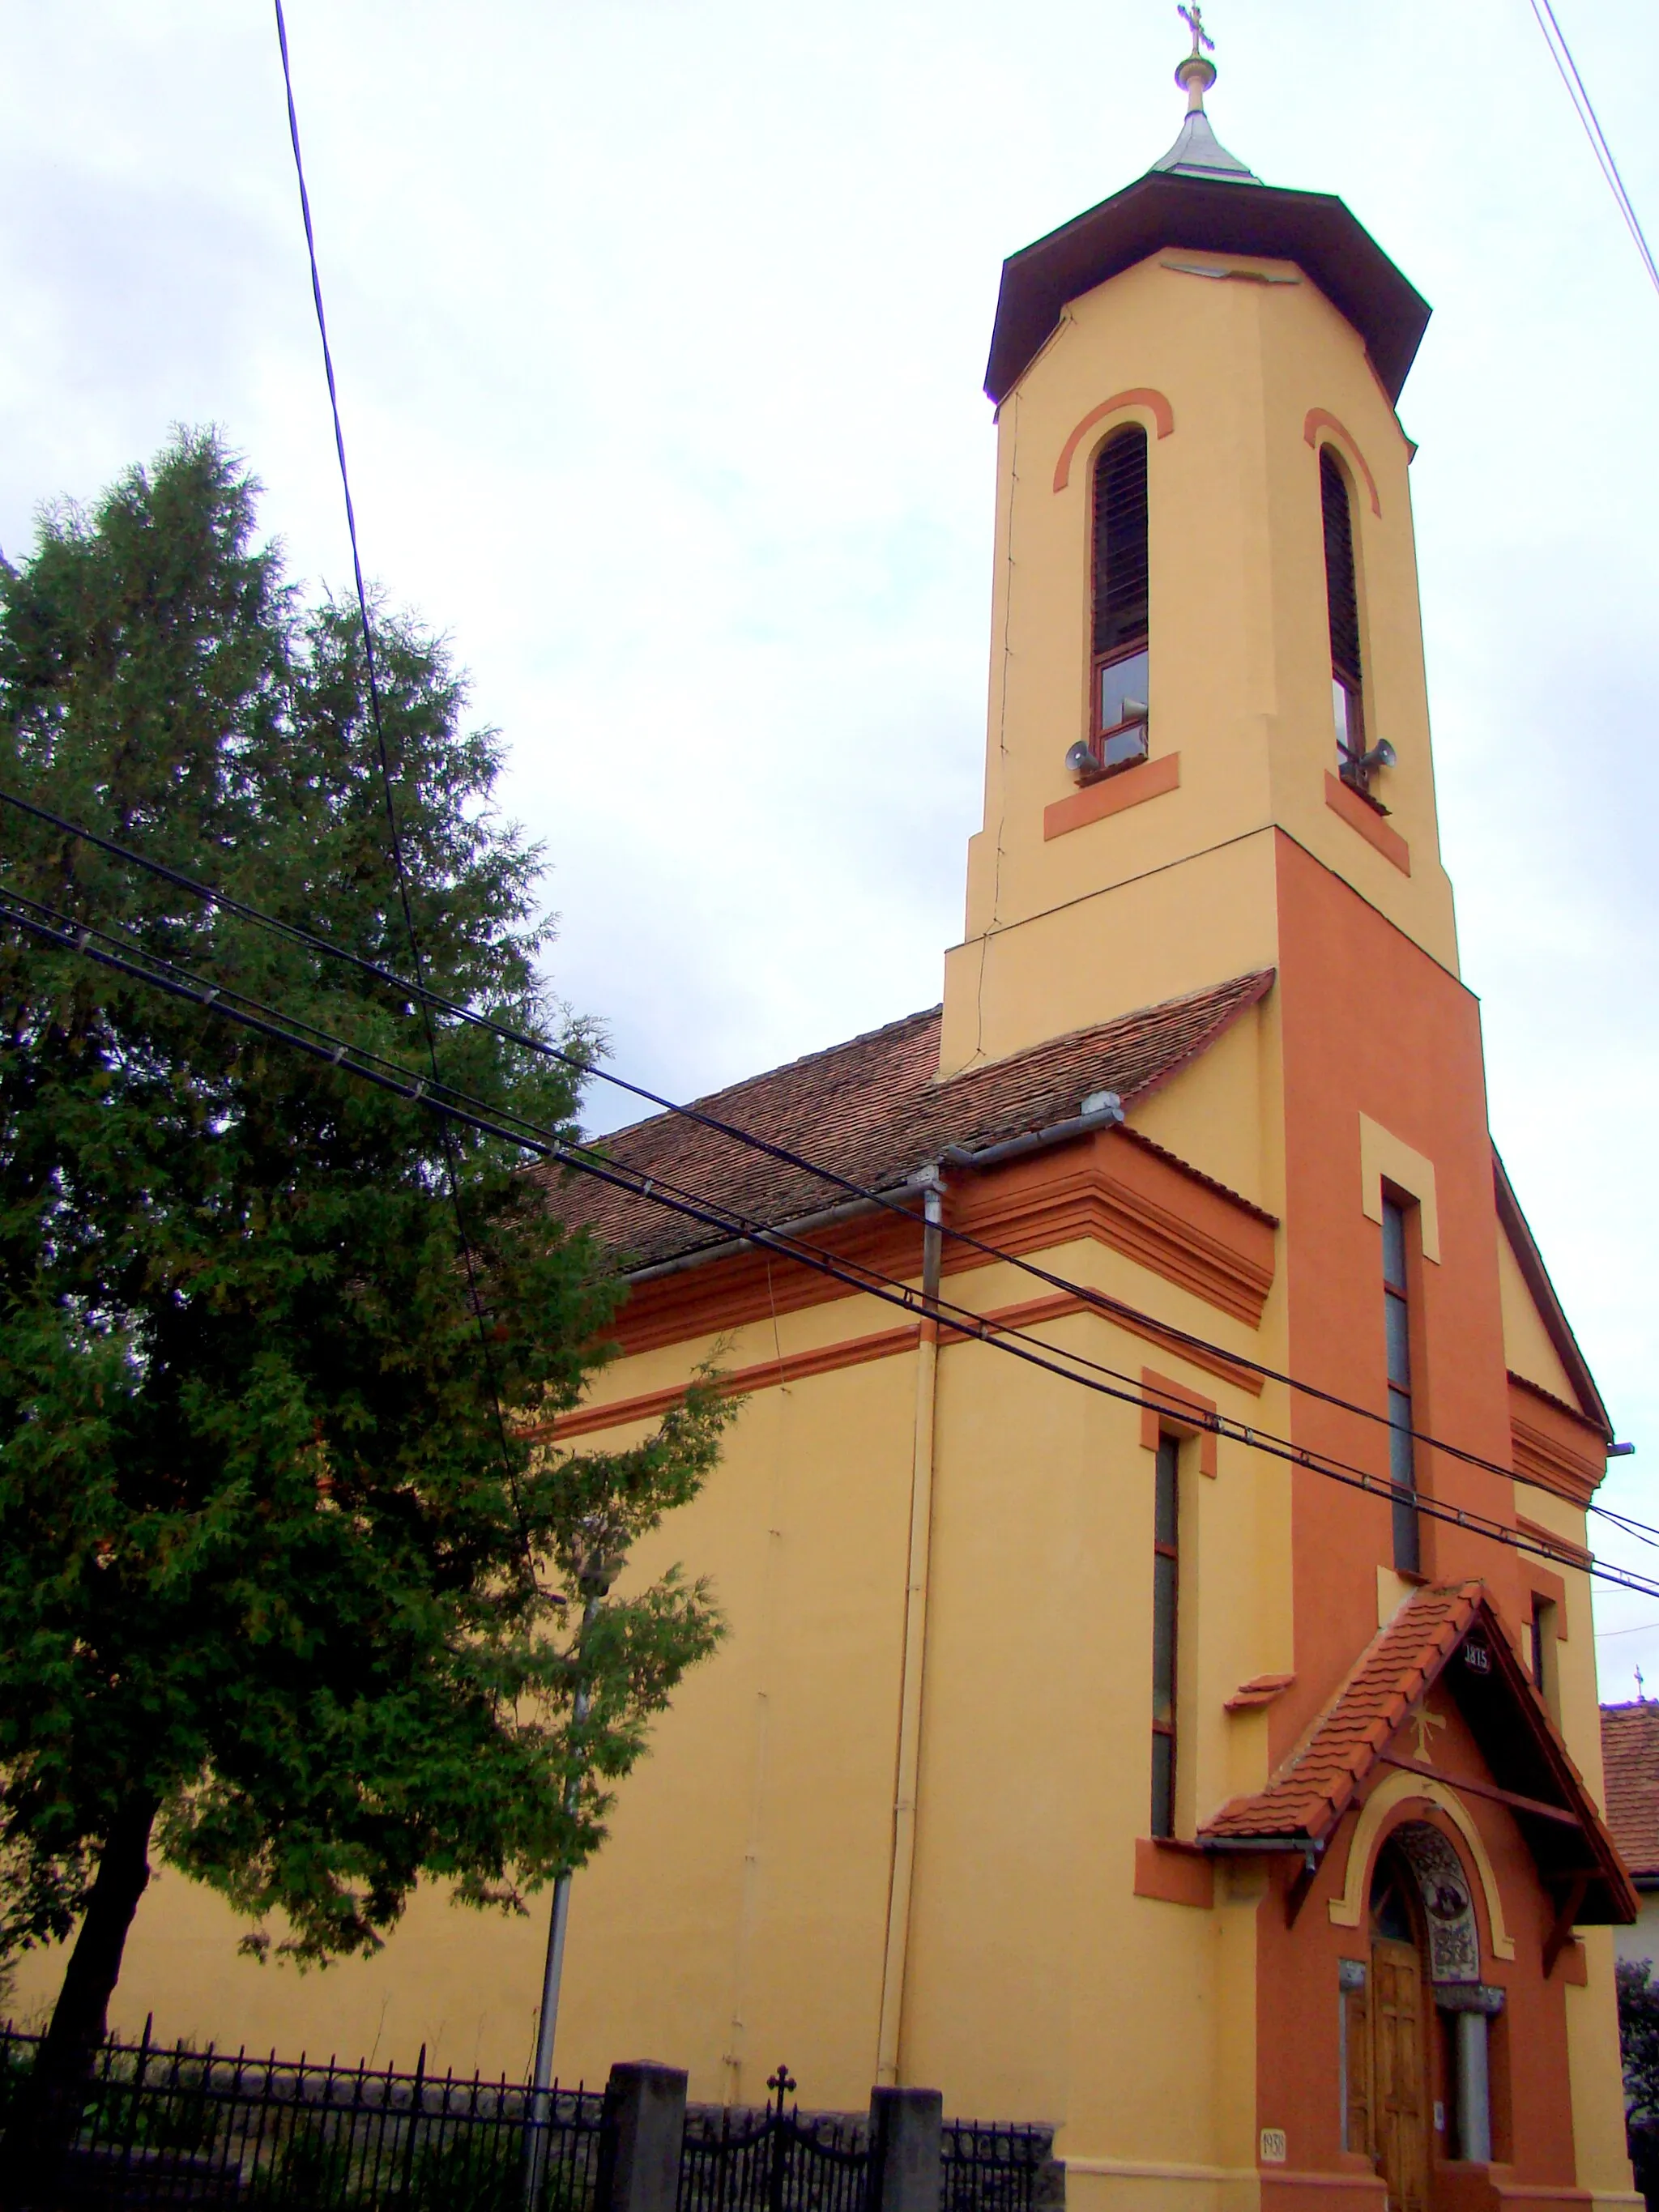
1401 1382
1347 669
1124 743
1166 1637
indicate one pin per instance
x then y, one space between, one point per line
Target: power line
444 1099
1561 55
1097 1300
451 1166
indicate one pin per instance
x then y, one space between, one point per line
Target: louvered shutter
1120 547
1341 597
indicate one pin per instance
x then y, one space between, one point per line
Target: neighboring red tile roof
875 1110
1629 1756
1311 1789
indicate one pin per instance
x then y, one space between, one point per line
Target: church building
1160 1695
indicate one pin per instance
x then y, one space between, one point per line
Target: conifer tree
284 1600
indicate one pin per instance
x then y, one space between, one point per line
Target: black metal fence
185 2129
777 2159
989 2168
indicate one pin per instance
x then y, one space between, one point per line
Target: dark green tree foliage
1638 2044
278 1597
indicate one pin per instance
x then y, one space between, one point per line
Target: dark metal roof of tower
1200 197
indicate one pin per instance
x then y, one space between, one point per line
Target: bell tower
1204 624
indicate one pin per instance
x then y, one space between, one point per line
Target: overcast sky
660 326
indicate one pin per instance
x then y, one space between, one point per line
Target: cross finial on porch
1425 1724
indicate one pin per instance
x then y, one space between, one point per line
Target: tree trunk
41 2130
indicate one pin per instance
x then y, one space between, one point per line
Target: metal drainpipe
915 1642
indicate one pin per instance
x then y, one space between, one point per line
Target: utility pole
599 1570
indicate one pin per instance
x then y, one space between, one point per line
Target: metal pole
547 2027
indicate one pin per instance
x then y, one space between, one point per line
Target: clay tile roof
1630 1757
1314 1786
875 1110
1311 1788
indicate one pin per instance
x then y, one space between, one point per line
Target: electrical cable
1584 107
440 1098
452 1165
1100 1301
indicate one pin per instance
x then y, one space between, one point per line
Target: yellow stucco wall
1526 1345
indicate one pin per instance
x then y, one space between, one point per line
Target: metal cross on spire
1193 19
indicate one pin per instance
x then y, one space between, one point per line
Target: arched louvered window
1118 732
1342 605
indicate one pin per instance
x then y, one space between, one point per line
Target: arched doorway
1401 2108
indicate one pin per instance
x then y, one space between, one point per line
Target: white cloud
660 329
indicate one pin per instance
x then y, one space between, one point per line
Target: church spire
1197 151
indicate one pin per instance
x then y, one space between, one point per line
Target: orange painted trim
1260 1690
1142 396
650 1405
1551 1588
1319 418
885 1344
1368 822
1172 1872
1573 1968
1157 1418
1537 1533
1113 794
1285 2177
1037 1310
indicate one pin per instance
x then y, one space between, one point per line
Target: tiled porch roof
1321 1778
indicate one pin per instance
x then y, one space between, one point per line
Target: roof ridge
1087 1029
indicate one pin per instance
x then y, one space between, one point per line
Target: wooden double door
1402 2119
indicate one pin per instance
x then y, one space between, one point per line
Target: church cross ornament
1426 1722
1193 19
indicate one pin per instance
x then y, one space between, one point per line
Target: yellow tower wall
1147 902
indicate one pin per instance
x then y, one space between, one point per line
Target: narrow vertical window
1119 707
1542 1653
1402 1460
1342 606
1166 1576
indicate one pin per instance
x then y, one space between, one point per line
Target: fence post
640 2138
905 2150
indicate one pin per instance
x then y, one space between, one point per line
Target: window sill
1129 786
1360 815
1174 1872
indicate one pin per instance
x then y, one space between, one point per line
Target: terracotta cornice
1553 1448
1539 1533
1113 1188
766 1374
886 1344
1036 1311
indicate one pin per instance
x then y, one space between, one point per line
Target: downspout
915 1642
